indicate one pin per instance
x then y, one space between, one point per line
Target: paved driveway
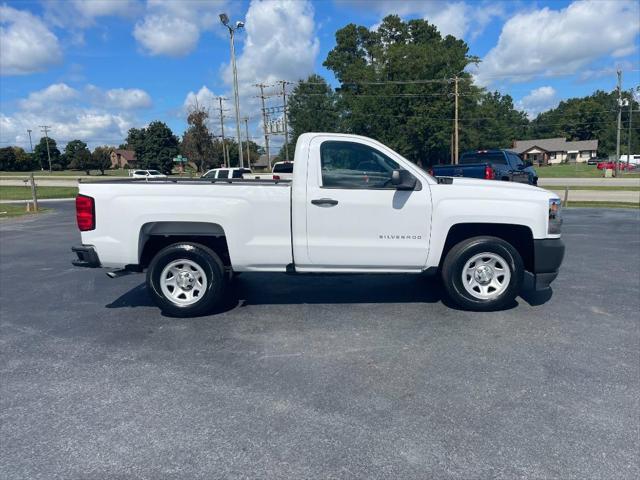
319 377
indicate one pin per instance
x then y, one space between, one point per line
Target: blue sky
92 69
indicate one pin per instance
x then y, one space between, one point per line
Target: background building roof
558 144
129 155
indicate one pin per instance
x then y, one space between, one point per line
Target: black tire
203 257
460 254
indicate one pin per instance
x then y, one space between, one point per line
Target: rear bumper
547 255
87 256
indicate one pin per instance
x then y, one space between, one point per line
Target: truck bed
470 170
254 217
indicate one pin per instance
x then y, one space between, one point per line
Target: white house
555 150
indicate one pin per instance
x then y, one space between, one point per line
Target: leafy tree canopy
101 158
40 154
197 141
155 146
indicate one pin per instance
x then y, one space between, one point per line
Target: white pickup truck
353 206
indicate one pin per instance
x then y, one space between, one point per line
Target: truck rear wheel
483 273
186 279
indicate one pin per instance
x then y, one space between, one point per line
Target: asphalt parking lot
322 377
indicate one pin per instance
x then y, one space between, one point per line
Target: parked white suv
353 206
219 173
147 174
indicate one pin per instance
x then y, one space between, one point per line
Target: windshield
494 157
283 167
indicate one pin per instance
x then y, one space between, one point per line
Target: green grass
579 170
24 193
8 210
610 188
67 173
604 205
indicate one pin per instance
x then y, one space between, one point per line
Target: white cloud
559 42
166 35
75 15
104 119
280 43
204 97
538 100
53 94
119 98
452 18
173 27
26 44
101 8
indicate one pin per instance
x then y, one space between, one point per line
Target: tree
70 150
40 154
491 122
101 158
81 159
155 146
311 108
395 85
587 118
24 161
7 159
197 141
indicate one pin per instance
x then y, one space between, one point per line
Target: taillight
276 177
489 173
430 172
85 213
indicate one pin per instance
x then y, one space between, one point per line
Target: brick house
551 151
123 159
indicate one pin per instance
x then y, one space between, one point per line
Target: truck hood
500 185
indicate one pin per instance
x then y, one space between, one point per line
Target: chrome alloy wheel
486 276
183 282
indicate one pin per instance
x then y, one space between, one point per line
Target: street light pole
225 21
619 88
629 136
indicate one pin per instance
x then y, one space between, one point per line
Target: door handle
325 202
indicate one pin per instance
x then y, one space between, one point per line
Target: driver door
356 219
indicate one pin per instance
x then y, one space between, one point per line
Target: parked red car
612 166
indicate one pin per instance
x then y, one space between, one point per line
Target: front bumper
87 256
547 257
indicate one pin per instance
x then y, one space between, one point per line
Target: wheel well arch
519 236
154 236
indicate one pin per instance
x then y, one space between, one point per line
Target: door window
355 166
516 161
223 174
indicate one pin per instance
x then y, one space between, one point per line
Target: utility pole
246 128
455 126
45 129
619 72
629 136
264 123
225 157
286 128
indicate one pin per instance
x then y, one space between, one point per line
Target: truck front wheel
483 273
186 279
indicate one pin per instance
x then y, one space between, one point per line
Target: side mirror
403 180
528 163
